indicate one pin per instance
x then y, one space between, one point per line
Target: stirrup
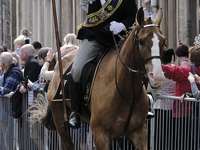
150 113
75 120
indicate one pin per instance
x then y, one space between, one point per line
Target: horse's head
150 44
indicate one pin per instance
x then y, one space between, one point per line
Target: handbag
16 103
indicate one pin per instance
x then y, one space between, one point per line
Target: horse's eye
141 42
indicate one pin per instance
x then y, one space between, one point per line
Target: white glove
117 27
89 1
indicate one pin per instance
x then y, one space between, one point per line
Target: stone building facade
5 22
180 21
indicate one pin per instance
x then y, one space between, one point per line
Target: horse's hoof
75 121
150 115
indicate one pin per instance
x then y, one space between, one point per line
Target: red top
180 75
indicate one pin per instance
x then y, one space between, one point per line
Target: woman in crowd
194 79
70 39
70 43
182 54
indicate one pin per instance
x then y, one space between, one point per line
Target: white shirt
102 2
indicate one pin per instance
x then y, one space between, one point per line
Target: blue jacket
12 78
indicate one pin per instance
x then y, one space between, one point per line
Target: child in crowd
18 43
26 33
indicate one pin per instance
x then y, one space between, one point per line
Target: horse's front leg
58 118
101 138
139 138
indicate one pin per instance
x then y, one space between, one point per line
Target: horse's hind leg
139 138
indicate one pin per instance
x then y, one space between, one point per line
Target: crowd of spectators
36 63
30 67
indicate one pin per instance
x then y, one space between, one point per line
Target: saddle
86 80
88 76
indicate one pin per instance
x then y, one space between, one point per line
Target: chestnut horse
119 103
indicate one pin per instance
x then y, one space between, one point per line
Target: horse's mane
121 42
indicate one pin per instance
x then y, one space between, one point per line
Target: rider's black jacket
125 14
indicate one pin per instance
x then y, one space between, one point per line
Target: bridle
140 56
137 42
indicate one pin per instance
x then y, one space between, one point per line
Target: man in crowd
12 76
32 67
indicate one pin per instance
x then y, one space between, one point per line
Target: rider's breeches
87 51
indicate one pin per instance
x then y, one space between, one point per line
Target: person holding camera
194 77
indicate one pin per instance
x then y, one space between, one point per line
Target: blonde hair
20 40
70 39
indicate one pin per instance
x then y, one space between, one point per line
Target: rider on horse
119 15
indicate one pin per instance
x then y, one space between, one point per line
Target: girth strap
131 109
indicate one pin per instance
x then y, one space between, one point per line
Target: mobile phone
26 41
5 48
193 69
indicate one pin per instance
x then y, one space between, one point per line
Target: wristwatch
48 61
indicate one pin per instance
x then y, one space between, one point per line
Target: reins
133 103
118 55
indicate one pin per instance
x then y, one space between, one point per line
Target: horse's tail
41 112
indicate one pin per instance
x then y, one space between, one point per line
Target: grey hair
6 58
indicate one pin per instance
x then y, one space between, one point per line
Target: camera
193 69
27 41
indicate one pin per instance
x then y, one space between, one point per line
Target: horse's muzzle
156 79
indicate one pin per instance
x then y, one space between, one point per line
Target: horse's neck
129 54
129 57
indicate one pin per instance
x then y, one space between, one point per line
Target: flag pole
58 44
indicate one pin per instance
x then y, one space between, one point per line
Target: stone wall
6 23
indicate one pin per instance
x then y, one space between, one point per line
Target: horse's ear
140 16
159 17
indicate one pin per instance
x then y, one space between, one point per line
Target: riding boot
75 98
